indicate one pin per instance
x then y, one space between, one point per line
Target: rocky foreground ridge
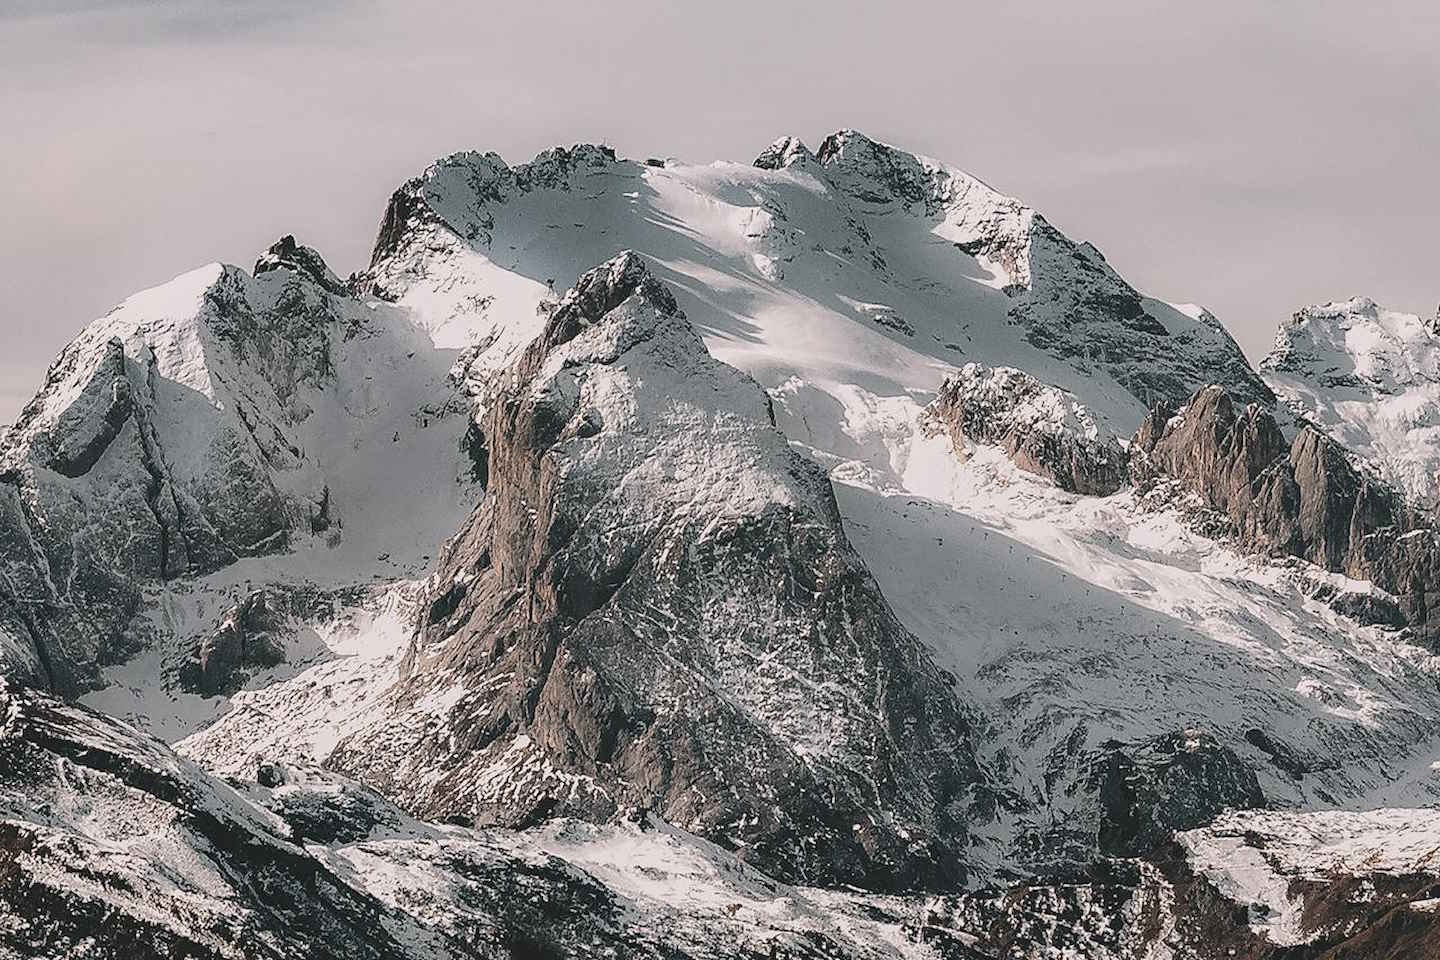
117 848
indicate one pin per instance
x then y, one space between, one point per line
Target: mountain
218 419
862 266
1370 378
823 556
655 605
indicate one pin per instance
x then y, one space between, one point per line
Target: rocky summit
819 556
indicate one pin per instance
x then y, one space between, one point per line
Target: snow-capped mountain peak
1370 377
784 152
287 254
219 416
809 538
1357 343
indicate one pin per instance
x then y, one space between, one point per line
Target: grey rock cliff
248 636
1305 498
655 605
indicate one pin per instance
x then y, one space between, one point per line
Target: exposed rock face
160 446
1179 781
1044 430
655 605
248 636
1305 498
1222 452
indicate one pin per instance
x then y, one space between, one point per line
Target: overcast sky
1251 156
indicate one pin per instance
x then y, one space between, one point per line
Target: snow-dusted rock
1341 884
784 152
113 847
200 422
1044 430
286 254
1305 497
246 637
1370 378
655 605
153 452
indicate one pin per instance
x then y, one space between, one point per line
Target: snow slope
1086 625
864 268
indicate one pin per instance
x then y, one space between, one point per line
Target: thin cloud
147 21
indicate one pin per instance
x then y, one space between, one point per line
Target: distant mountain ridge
1370 377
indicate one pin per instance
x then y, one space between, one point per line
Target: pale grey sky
1251 156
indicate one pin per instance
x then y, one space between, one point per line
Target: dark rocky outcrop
1046 431
656 606
1367 606
1176 781
1303 498
286 254
248 636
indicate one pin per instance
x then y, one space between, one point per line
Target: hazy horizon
1251 160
